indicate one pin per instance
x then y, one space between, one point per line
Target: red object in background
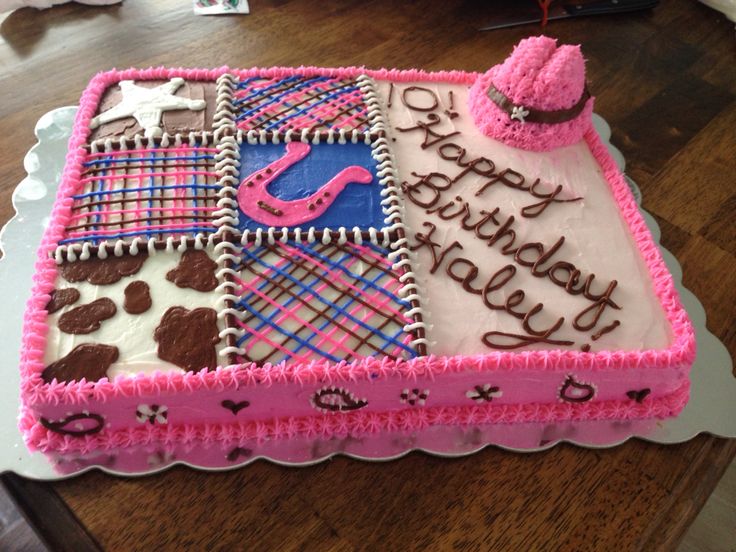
526 12
544 4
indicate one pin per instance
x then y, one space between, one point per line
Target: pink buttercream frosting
539 75
354 423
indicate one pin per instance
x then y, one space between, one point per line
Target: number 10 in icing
256 202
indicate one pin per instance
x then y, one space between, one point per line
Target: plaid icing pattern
297 102
153 192
319 302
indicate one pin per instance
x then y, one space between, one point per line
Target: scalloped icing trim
354 423
680 354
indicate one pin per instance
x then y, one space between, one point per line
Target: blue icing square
357 204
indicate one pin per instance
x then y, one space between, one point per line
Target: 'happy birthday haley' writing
428 192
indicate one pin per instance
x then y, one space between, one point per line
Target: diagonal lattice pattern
297 103
153 192
319 302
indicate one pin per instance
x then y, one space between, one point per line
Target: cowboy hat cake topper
536 99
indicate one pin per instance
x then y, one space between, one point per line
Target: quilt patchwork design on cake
308 185
296 102
133 314
336 302
324 251
149 192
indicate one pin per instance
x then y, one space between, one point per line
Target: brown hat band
531 115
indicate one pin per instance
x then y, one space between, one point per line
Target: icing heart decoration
233 406
255 200
336 399
237 452
575 391
639 395
77 425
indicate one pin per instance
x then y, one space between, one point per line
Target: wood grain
665 80
49 515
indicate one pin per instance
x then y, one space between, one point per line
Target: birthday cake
247 255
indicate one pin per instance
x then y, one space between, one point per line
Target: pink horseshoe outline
256 202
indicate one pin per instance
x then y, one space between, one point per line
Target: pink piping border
354 423
34 391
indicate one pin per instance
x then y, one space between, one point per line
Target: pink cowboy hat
536 99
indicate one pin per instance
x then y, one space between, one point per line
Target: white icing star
147 105
519 113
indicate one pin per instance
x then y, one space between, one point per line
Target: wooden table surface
666 82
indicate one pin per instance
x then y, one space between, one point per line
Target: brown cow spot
87 318
188 338
102 272
88 360
60 298
137 297
195 270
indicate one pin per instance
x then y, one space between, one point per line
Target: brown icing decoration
188 338
603 331
431 137
176 121
433 103
575 391
237 452
638 395
467 274
516 181
195 270
102 272
539 115
87 318
233 406
88 360
273 210
334 399
137 297
90 423
510 340
60 298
